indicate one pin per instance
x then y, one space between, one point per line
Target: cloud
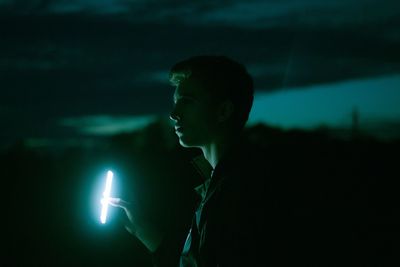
156 76
129 50
238 13
24 64
6 2
64 6
103 125
267 14
91 6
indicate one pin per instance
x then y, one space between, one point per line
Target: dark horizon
53 199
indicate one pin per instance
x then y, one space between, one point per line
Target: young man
212 101
213 98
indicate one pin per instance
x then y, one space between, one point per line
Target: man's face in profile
193 114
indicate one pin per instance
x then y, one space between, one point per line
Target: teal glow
330 105
106 195
97 195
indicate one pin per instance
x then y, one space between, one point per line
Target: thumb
128 221
126 206
117 202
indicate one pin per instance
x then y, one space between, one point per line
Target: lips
178 129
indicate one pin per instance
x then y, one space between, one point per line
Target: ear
225 111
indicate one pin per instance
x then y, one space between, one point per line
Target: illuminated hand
127 207
137 226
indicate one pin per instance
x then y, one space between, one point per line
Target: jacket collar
206 171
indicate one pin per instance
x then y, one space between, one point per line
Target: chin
186 143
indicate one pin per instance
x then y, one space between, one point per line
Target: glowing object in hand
106 196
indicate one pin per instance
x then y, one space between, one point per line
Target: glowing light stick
106 196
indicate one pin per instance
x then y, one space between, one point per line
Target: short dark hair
223 77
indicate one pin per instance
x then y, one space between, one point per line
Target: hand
137 226
128 208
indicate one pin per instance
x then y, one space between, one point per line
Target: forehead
192 88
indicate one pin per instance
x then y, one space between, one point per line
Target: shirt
220 234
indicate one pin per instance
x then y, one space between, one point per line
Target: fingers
113 201
117 202
127 207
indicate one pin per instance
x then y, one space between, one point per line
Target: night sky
83 68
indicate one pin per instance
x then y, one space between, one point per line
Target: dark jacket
259 210
224 227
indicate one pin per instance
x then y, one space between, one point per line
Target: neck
215 150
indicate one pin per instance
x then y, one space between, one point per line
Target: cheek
204 118
203 126
198 118
210 118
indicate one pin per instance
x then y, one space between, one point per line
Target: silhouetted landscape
51 220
